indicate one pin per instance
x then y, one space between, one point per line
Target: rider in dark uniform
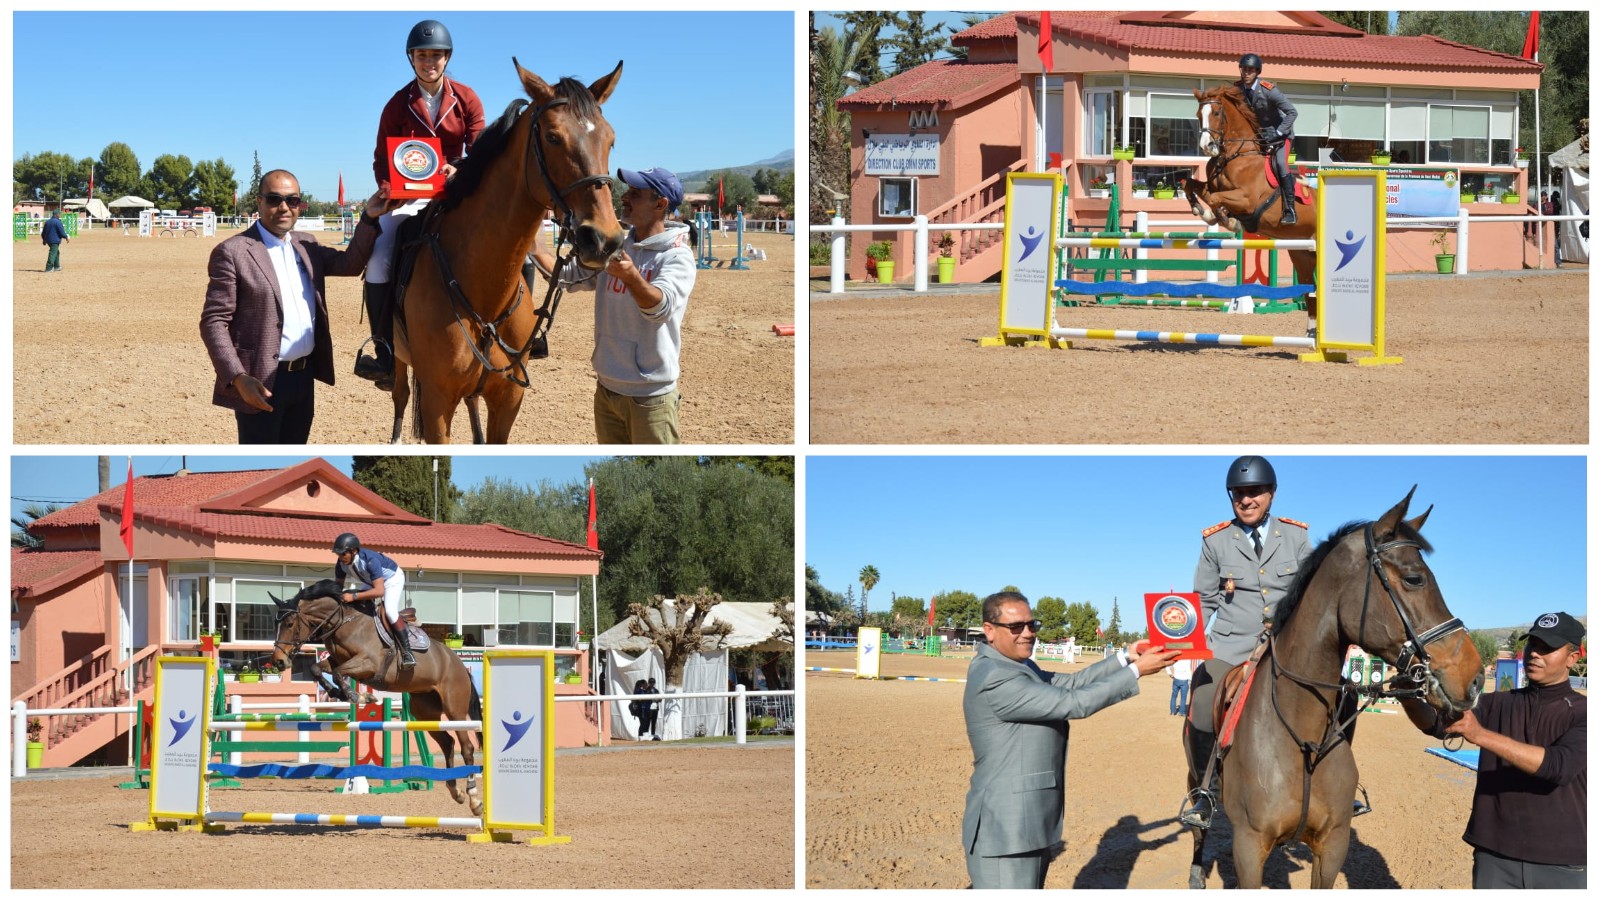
1275 115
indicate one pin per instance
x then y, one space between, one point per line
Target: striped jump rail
261 818
1221 292
1187 244
1179 337
281 725
887 677
1186 235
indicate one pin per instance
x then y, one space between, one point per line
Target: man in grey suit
1017 724
1247 565
265 319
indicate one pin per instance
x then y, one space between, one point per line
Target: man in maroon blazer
265 320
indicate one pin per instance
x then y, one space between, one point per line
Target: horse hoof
1197 879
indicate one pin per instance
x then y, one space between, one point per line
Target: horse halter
558 197
1413 661
311 632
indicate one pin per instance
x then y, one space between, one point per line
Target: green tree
1114 630
869 580
909 613
832 57
967 21
1083 620
118 173
1367 20
828 604
254 191
866 28
915 42
24 519
408 482
215 184
1486 645
785 191
48 177
1052 615
776 466
171 181
959 609
737 189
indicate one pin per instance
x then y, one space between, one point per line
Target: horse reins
516 368
1217 164
312 632
1412 661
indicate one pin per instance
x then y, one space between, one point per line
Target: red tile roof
160 490
34 572
1138 31
1001 26
948 82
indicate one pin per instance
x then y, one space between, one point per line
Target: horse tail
475 705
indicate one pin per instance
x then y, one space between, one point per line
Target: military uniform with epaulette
1275 117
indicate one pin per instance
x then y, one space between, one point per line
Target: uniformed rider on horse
1275 117
379 578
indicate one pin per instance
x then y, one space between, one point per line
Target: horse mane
1291 601
327 587
492 140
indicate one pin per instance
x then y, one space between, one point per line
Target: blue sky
1509 533
67 479
698 90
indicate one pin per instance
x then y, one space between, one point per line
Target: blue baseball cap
660 180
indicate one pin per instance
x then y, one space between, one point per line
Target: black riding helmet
345 543
1247 61
429 34
1251 471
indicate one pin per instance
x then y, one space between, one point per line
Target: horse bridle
334 619
516 368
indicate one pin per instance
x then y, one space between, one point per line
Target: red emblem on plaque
1176 624
416 167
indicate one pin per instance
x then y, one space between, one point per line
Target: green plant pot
454 643
1167 194
947 269
1122 154
1511 198
1446 263
572 679
1380 160
249 677
886 271
35 754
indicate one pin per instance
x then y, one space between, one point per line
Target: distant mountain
693 181
1504 632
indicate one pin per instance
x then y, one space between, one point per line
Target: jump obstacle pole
886 677
518 748
1350 249
704 259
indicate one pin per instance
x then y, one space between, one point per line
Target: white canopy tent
1571 164
629 658
95 209
130 200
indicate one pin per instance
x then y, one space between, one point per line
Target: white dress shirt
298 299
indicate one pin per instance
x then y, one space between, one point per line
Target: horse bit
516 368
312 632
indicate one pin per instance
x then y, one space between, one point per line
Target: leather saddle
1302 194
416 638
408 243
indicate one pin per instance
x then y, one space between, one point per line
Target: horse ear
1390 521
537 88
602 88
1416 524
280 604
1199 96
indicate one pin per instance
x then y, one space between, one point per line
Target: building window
188 606
1173 128
1458 134
1105 121
251 615
528 617
1356 130
897 198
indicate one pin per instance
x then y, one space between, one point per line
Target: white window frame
884 180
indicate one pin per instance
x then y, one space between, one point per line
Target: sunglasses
1032 625
273 200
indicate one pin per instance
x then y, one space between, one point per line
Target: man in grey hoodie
638 313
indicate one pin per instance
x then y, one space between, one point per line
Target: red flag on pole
933 604
1530 44
341 187
594 534
1047 50
127 511
719 194
91 182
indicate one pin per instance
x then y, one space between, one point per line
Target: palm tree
30 513
869 580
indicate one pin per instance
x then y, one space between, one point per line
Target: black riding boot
539 347
379 367
1201 803
1286 187
403 642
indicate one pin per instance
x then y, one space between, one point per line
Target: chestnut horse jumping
439 685
465 326
1290 775
1235 194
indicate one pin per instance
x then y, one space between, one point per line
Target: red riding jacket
405 115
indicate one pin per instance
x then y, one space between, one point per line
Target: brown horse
1235 194
467 326
1290 774
439 685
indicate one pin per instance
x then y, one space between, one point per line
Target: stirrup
1362 806
1195 815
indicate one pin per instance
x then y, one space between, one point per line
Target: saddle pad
415 637
1301 192
1231 721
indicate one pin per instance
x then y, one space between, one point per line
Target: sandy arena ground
108 351
1490 359
658 817
888 764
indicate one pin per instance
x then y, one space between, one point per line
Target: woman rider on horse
380 578
1275 117
430 105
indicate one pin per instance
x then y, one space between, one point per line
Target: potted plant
1486 195
1099 188
1511 197
1122 152
1381 157
881 253
1445 257
453 640
209 641
35 743
248 673
1468 197
1141 190
572 678
947 258
270 673
1292 156
1522 158
1162 191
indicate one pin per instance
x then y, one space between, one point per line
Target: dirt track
108 351
662 817
1491 359
887 768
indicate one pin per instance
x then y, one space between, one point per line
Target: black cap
1558 630
1250 61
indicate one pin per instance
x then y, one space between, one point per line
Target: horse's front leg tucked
330 682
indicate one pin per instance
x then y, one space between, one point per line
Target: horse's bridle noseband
536 150
1412 662
326 627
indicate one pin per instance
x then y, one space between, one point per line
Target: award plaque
416 168
1176 624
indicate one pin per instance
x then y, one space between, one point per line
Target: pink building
211 549
938 140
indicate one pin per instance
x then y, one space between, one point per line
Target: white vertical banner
869 647
1350 260
1031 199
519 745
179 738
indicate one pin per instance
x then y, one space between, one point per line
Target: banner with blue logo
519 741
179 738
1350 263
869 649
1025 274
